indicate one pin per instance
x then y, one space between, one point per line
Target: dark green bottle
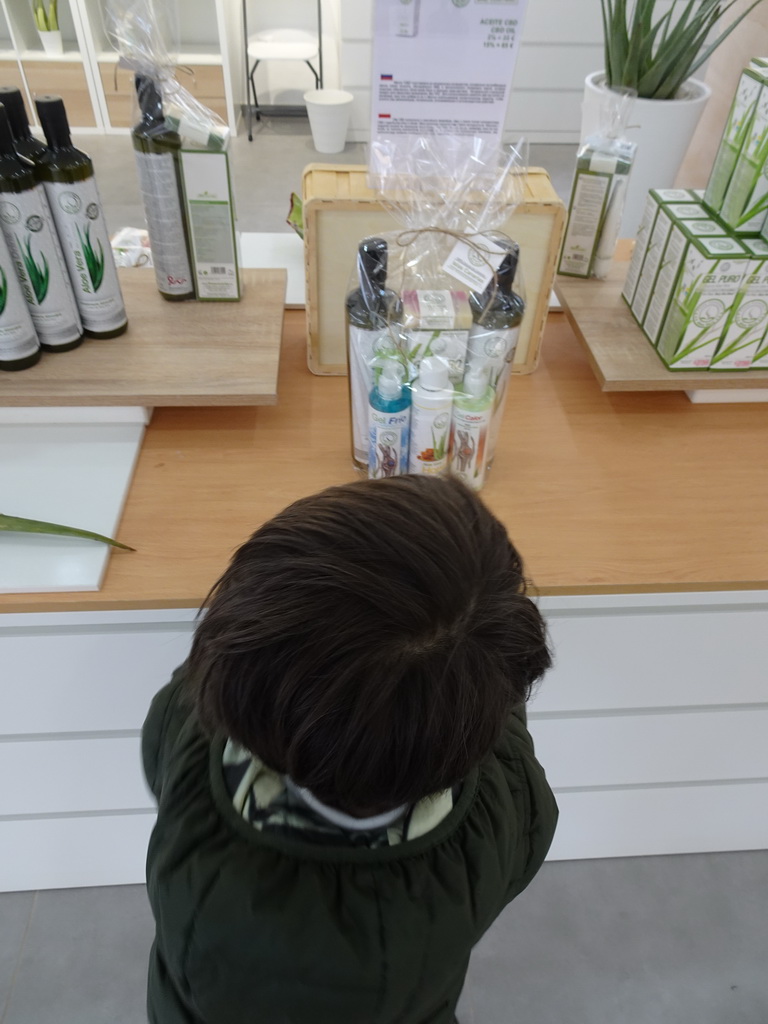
157 158
374 315
77 212
19 347
26 144
497 313
27 225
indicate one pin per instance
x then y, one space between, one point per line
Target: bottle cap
150 98
433 374
53 121
7 147
13 102
475 382
373 261
390 382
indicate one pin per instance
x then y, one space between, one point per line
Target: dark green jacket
254 928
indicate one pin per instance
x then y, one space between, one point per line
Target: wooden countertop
601 492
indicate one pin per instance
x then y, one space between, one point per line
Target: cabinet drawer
204 81
10 75
207 86
66 79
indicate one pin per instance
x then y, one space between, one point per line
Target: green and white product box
746 198
737 129
697 194
657 197
688 211
760 358
748 319
210 211
675 250
596 198
706 285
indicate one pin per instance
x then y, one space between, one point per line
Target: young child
347 792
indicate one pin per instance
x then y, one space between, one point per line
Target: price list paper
443 67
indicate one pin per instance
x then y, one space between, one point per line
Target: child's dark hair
370 640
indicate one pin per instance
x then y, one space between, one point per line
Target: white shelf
210 55
69 55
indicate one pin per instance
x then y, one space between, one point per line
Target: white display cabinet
98 94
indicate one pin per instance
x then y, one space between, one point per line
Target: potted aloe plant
47 22
655 48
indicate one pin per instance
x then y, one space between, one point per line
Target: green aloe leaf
296 215
3 290
17 524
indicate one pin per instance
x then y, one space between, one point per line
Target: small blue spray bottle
389 418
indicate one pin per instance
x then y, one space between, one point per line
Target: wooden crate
340 209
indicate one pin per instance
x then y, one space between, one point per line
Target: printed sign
443 67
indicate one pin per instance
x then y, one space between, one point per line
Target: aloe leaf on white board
17 524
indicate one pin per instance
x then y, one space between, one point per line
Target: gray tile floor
659 940
653 940
264 171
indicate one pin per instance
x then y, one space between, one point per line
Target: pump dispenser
27 226
77 212
157 150
374 314
389 417
25 143
431 402
472 407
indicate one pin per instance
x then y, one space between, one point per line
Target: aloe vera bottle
26 223
74 200
26 144
373 315
19 347
497 313
157 159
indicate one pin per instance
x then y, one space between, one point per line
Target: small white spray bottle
431 403
472 410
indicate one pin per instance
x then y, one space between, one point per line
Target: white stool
280 44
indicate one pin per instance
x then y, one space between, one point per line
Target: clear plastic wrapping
434 309
140 31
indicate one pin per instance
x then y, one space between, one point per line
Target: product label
388 443
79 220
28 228
211 227
165 222
450 346
469 433
656 245
17 334
638 253
430 432
585 217
748 321
366 349
474 262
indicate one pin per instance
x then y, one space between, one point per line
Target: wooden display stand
173 353
340 209
620 354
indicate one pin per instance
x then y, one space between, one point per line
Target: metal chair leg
255 100
317 77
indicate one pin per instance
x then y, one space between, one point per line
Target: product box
704 290
746 198
656 199
210 212
748 319
675 249
736 131
437 323
340 209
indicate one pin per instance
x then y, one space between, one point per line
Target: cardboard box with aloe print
737 131
748 319
746 199
705 288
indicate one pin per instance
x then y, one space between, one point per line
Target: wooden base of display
173 353
621 356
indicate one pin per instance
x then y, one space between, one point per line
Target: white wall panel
357 19
61 853
651 749
649 822
556 66
72 775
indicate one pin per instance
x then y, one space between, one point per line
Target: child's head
370 640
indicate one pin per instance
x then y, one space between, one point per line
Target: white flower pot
328 111
52 43
662 130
